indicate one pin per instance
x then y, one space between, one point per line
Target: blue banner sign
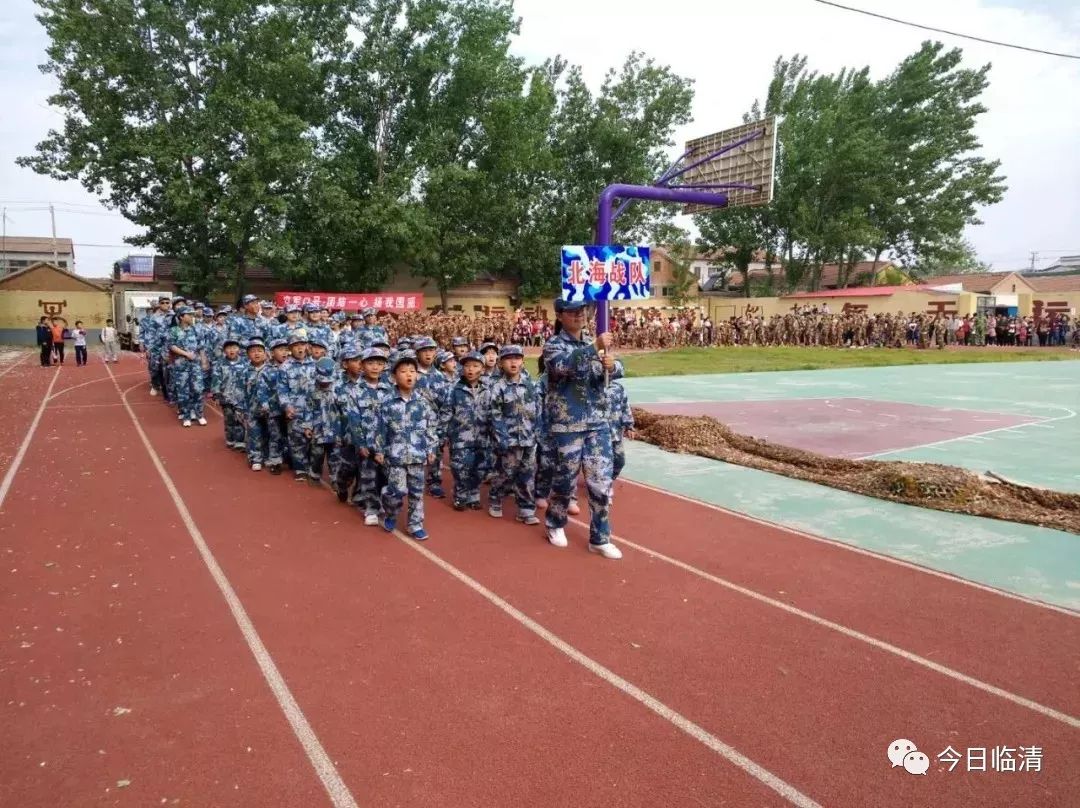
606 272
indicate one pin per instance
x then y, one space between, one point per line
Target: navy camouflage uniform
270 383
464 421
260 447
297 379
622 419
187 373
227 383
576 415
360 404
323 419
405 437
432 385
513 411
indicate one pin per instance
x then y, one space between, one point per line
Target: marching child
271 383
227 387
622 425
404 441
322 422
362 417
297 381
464 421
514 409
256 413
431 384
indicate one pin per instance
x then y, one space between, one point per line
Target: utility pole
3 243
52 215
1034 255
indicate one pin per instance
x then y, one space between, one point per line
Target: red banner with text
351 301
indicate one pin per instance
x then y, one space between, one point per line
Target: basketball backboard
742 165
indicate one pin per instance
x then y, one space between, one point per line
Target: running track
180 631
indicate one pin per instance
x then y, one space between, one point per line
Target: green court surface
1030 561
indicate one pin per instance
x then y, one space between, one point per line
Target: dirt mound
944 488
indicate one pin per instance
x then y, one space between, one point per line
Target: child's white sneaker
607 550
371 519
495 512
153 392
187 422
557 537
256 466
202 422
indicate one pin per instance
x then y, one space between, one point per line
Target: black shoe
342 494
474 506
315 481
459 506
275 470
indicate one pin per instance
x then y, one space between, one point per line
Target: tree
680 250
195 120
954 257
735 232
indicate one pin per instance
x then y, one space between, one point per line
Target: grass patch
690 361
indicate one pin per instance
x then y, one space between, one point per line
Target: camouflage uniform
257 417
323 417
227 387
270 383
297 382
242 328
576 416
434 387
622 419
463 422
514 408
405 437
359 402
187 373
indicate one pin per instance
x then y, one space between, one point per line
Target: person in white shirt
111 343
80 343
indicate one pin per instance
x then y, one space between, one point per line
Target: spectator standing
80 343
110 342
58 339
44 341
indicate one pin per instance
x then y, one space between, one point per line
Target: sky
1033 123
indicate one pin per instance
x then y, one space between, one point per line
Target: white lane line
59 393
335 787
978 684
5 486
14 365
839 545
729 753
1041 422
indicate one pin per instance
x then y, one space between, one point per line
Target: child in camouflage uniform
362 418
405 440
622 425
463 422
297 381
513 409
322 422
227 388
256 409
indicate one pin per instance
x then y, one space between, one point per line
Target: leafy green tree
195 119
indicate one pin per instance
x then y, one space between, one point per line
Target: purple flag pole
605 217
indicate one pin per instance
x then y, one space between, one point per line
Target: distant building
20 252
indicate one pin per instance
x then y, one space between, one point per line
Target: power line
950 33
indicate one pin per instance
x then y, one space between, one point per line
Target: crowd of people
379 401
645 329
53 334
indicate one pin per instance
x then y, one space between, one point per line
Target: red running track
423 692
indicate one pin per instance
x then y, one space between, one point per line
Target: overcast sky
1033 125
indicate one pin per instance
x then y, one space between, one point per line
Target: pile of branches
928 485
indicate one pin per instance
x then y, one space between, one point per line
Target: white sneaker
608 550
557 537
573 508
187 422
153 392
495 512
202 422
256 466
371 519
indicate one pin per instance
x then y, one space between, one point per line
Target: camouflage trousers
264 440
402 480
364 474
515 470
299 447
157 370
434 470
188 389
545 467
618 456
329 453
234 427
465 468
588 453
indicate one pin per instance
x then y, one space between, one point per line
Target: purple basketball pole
663 191
605 217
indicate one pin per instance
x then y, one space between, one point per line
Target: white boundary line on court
729 753
5 486
15 364
59 393
335 786
881 645
839 545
